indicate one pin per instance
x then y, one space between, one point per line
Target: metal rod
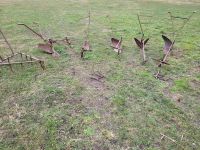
186 21
9 63
21 59
7 42
38 34
1 58
143 52
140 26
9 57
42 64
166 55
88 29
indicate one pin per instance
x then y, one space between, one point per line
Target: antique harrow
24 58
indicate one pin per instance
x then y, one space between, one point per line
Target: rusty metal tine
7 42
1 58
10 65
38 34
42 64
31 56
21 58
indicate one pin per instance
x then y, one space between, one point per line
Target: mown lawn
64 107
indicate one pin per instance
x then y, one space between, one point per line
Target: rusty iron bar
89 21
141 44
142 31
167 52
115 43
38 34
32 60
21 59
168 43
1 58
10 47
25 62
187 19
9 57
11 63
118 46
86 44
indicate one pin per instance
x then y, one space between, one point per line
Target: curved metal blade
145 42
47 48
139 43
168 44
86 46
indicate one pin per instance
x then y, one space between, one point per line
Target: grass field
64 107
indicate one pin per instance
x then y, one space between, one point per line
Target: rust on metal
28 59
169 43
116 45
141 43
168 46
86 45
67 41
38 34
85 48
48 45
158 75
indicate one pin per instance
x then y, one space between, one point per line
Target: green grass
63 108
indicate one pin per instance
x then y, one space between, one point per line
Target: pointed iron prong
10 65
21 55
